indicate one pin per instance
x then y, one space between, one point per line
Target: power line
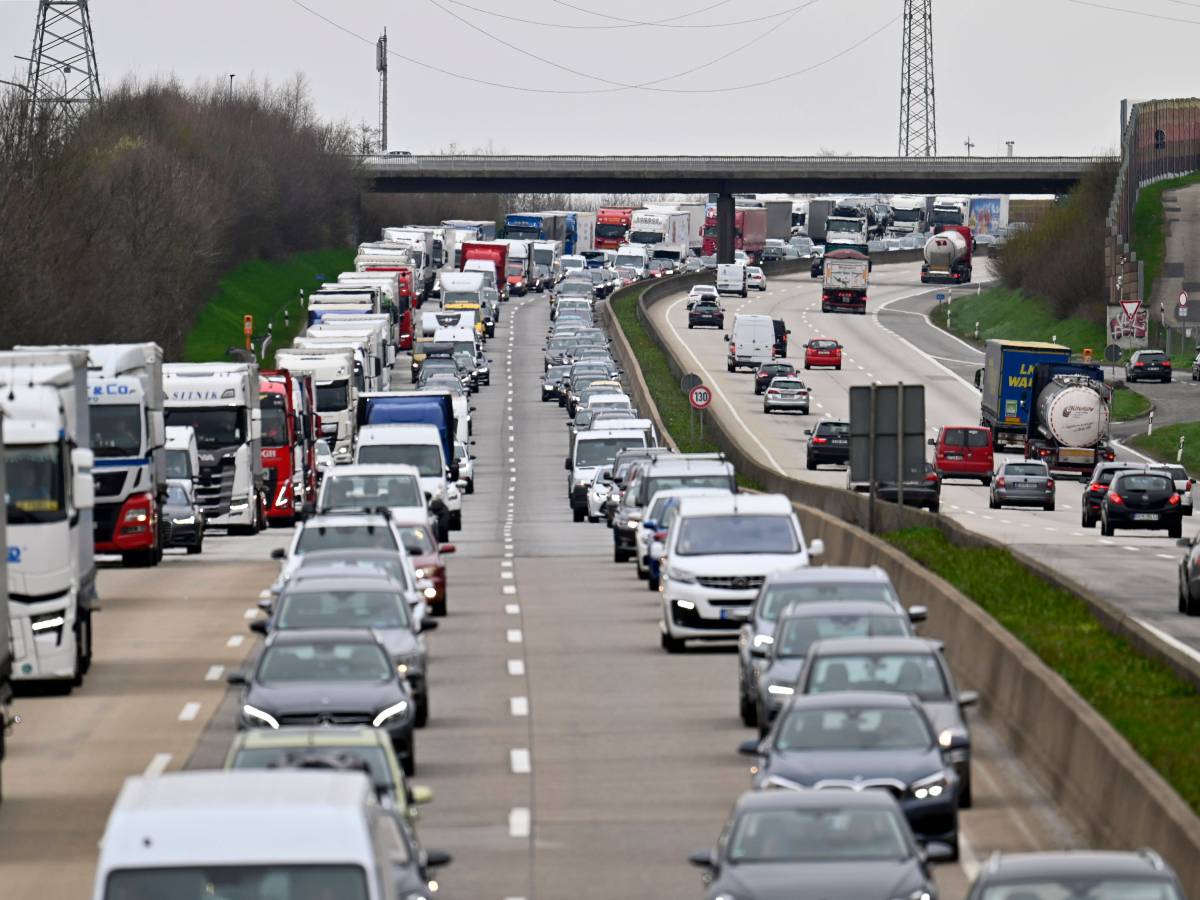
661 23
592 12
645 85
1135 12
587 91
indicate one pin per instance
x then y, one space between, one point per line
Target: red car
964 451
822 352
426 556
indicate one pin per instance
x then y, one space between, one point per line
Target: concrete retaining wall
1109 792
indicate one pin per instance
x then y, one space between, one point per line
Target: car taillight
820 440
1095 488
1189 485
1174 501
772 391
660 535
1049 482
1044 451
1166 364
1110 455
931 477
1114 497
1138 365
1000 481
733 348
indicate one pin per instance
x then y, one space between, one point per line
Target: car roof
831 575
1066 863
873 646
756 800
344 520
609 433
842 699
832 422
333 581
681 465
736 504
319 635
839 608
374 469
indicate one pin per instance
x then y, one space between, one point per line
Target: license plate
953 456
1145 517
729 613
790 395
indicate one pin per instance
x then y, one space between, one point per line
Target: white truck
370 335
49 498
950 210
6 643
332 372
908 215
220 402
695 228
635 256
365 378
660 226
544 263
419 241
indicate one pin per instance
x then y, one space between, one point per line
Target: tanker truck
948 256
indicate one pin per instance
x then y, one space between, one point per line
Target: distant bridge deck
727 174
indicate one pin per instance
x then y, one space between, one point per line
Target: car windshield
853 728
176 495
779 597
776 369
817 835
325 661
823 345
333 397
575 289
1143 483
800 633
417 541
426 457
1151 357
216 427
909 673
274 757
315 537
341 609
1081 887
372 491
737 534
256 882
116 430
966 437
179 464
593 452
1026 469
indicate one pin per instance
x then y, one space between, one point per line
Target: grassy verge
1149 226
1163 444
1128 404
1156 711
1013 316
261 289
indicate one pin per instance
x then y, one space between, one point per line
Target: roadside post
1150 424
686 383
248 330
1179 454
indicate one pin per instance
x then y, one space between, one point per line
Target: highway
894 343
569 756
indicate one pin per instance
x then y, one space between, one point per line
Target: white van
751 342
420 446
731 279
253 833
183 456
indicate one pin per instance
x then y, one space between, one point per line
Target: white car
601 490
653 522
701 291
361 487
756 278
718 552
465 460
338 531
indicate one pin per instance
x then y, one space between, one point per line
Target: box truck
332 374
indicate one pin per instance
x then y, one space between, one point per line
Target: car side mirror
265 605
436 858
938 852
808 431
428 625
419 794
279 553
447 548
235 678
567 464
816 548
1183 542
932 442
750 748
705 859
968 698
918 613
259 626
727 339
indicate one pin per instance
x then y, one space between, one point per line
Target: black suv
1148 365
829 442
1097 487
706 312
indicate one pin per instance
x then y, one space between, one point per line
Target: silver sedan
786 394
1027 483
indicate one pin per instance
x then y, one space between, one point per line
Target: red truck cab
407 299
612 226
495 252
282 447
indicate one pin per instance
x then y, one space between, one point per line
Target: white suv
718 552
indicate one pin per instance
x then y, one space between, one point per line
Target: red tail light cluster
1096 487
1049 482
1116 498
820 440
1174 501
1000 481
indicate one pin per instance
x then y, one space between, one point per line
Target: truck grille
215 488
104 521
109 484
732 582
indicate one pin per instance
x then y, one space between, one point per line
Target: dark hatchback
1097 487
1076 873
828 443
707 313
1148 365
923 494
767 371
1142 500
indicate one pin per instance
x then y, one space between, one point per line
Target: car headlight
931 786
409 664
187 520
763 640
948 736
780 690
419 573
253 712
680 575
917 894
396 709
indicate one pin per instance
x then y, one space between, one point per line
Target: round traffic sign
689 381
1112 353
700 397
1183 298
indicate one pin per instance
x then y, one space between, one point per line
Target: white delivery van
183 455
731 279
751 342
420 446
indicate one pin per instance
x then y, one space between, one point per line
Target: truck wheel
577 515
729 367
1049 507
690 326
993 503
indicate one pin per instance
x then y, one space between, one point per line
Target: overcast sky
1048 74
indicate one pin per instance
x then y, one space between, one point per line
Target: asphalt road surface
569 756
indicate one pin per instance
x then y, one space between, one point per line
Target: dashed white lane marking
506 574
862 369
869 375
1164 556
512 609
236 641
969 512
250 614
158 765
1077 534
519 761
514 636
1064 506
989 518
1048 528
1005 521
508 554
518 822
1130 549
505 564
508 589
1108 542
967 858
214 673
516 667
189 712
518 706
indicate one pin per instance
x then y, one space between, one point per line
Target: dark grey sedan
809 845
1077 873
335 677
184 516
1027 483
904 665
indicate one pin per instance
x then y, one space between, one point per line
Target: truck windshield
906 215
645 237
460 297
333 396
345 882
116 430
372 490
516 267
635 261
179 464
950 216
545 257
274 420
215 427
523 233
602 451
34 476
426 457
606 230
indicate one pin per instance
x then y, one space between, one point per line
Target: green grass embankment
1149 226
1156 710
262 289
1128 404
1163 444
1013 316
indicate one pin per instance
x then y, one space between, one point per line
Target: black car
1189 577
1097 487
551 381
1142 500
1076 873
817 269
828 443
769 370
863 740
335 676
1148 365
781 337
184 517
706 312
923 494
833 843
907 665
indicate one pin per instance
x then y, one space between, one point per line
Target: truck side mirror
83 488
567 464
978 378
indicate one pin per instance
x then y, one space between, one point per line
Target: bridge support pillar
725 235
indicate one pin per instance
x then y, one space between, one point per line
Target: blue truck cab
1007 384
411 408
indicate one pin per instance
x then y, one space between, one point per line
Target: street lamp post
231 77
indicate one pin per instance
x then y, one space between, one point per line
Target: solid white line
158 765
1123 446
189 712
214 673
512 609
1170 639
518 706
966 857
513 635
518 822
516 667
236 641
519 761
